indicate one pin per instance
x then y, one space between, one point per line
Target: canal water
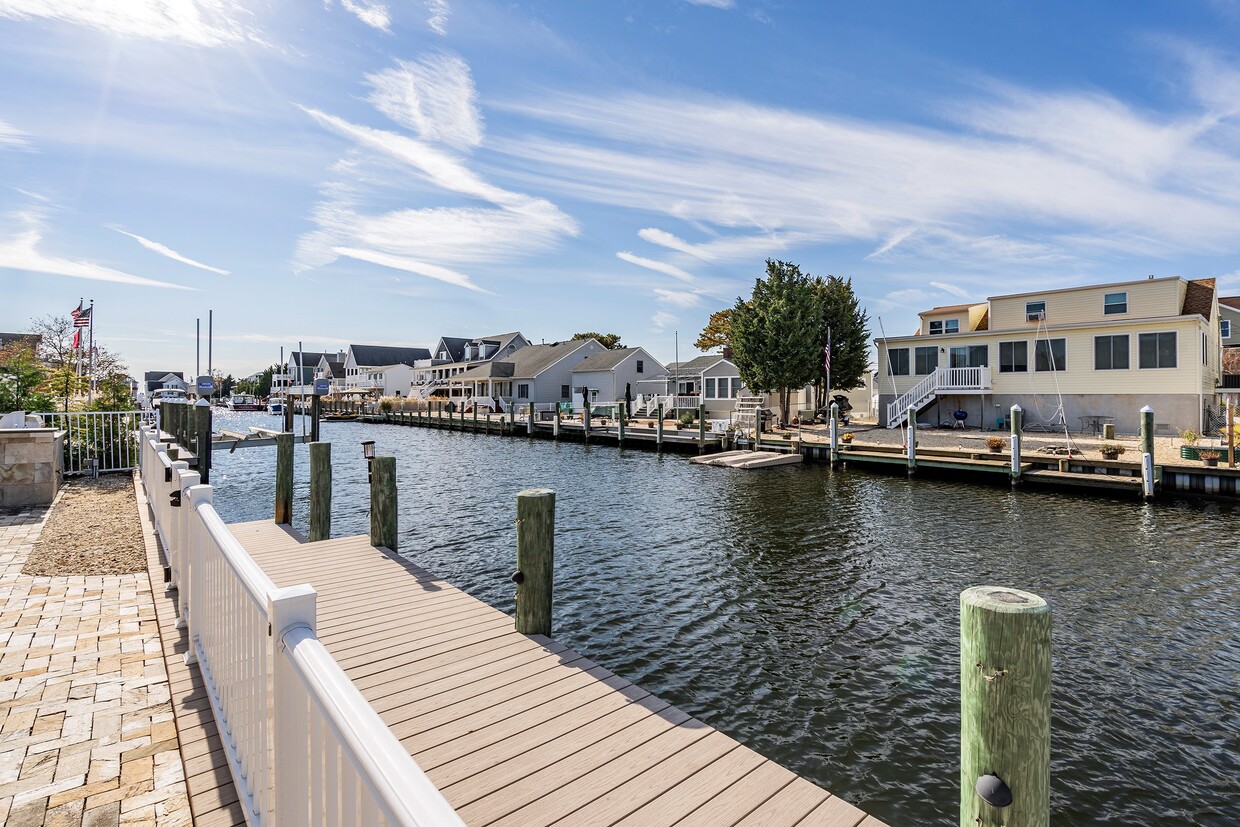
813 615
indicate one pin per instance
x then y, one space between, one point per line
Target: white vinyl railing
942 379
303 745
102 440
977 378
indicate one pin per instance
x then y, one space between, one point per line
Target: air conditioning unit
1035 317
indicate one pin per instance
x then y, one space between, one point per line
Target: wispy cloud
438 19
194 22
155 246
950 288
658 266
371 12
680 298
11 136
663 320
435 98
717 4
21 252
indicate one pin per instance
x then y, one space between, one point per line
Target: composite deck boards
515 729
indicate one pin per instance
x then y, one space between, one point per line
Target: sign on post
322 387
205 385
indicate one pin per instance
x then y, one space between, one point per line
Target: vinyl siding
1146 299
1232 315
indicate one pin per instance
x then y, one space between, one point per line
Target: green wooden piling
757 429
320 491
658 429
585 420
383 502
529 425
284 478
535 558
555 427
202 440
475 407
620 425
911 447
701 428
1005 705
1147 430
1017 417
835 433
512 416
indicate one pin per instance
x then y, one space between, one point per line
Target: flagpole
828 400
90 358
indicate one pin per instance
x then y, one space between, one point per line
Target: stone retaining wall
30 465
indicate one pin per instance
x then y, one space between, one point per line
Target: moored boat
244 402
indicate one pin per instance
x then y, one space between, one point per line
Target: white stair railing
918 394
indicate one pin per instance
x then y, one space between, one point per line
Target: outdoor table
1094 422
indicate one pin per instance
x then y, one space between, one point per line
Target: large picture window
1110 353
1156 350
972 356
927 360
1050 354
1013 357
897 360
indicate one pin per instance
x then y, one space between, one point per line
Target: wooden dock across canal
521 730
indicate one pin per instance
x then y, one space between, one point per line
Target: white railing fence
942 379
304 746
102 440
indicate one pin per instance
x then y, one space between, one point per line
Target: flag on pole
77 310
826 357
77 339
81 318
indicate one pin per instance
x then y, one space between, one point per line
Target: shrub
1190 436
996 443
1208 455
388 403
687 418
1112 449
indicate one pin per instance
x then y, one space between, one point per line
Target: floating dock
749 460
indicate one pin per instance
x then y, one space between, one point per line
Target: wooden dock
518 730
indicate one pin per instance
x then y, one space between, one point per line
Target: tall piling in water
535 560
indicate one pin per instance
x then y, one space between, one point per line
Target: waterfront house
711 380
1073 357
153 380
607 374
542 374
381 370
331 368
452 356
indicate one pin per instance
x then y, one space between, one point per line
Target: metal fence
99 440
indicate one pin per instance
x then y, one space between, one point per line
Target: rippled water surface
814 615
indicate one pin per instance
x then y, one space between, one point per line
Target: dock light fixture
993 791
368 451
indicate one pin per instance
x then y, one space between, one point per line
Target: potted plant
1189 449
686 420
996 444
847 438
1210 458
1111 450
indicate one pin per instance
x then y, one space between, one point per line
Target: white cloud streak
156 247
11 136
715 4
662 320
204 23
950 288
370 12
21 253
438 11
679 298
658 266
409 265
433 97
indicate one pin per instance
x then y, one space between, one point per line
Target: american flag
74 313
77 339
81 318
826 357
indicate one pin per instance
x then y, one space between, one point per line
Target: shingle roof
380 355
1199 298
306 357
1231 301
31 339
697 365
607 360
154 375
532 360
455 345
950 308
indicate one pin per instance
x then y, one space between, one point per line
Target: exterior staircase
943 380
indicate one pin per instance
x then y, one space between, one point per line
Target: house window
1156 350
951 326
736 386
1224 328
1035 311
1049 355
641 366
927 360
936 328
523 391
565 391
973 356
1113 303
1013 357
1111 353
710 388
897 361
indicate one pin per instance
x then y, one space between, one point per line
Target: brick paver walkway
87 734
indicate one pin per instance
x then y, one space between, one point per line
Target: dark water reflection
814 616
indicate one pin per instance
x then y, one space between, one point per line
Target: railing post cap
202 403
200 493
180 465
1147 409
1016 409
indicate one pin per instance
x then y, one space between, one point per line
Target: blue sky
391 171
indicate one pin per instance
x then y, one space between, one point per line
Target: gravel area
93 529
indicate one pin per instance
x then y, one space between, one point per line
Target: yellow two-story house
1074 357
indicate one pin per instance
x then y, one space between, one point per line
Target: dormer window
951 326
936 328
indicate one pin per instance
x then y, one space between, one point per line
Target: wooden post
658 429
702 428
1005 706
1147 452
284 478
835 433
1108 430
288 414
911 423
555 425
585 420
383 502
535 558
315 411
757 429
1016 415
512 415
1231 437
475 406
202 439
620 425
320 490
529 425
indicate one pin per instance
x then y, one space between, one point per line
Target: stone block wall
30 465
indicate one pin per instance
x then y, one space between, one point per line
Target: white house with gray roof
542 374
608 373
380 369
453 355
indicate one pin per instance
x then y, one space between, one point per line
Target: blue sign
206 386
322 387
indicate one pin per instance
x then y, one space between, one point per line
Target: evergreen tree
775 333
841 317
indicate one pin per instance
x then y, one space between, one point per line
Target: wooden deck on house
519 730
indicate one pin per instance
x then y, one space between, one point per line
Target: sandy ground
94 529
1166 449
